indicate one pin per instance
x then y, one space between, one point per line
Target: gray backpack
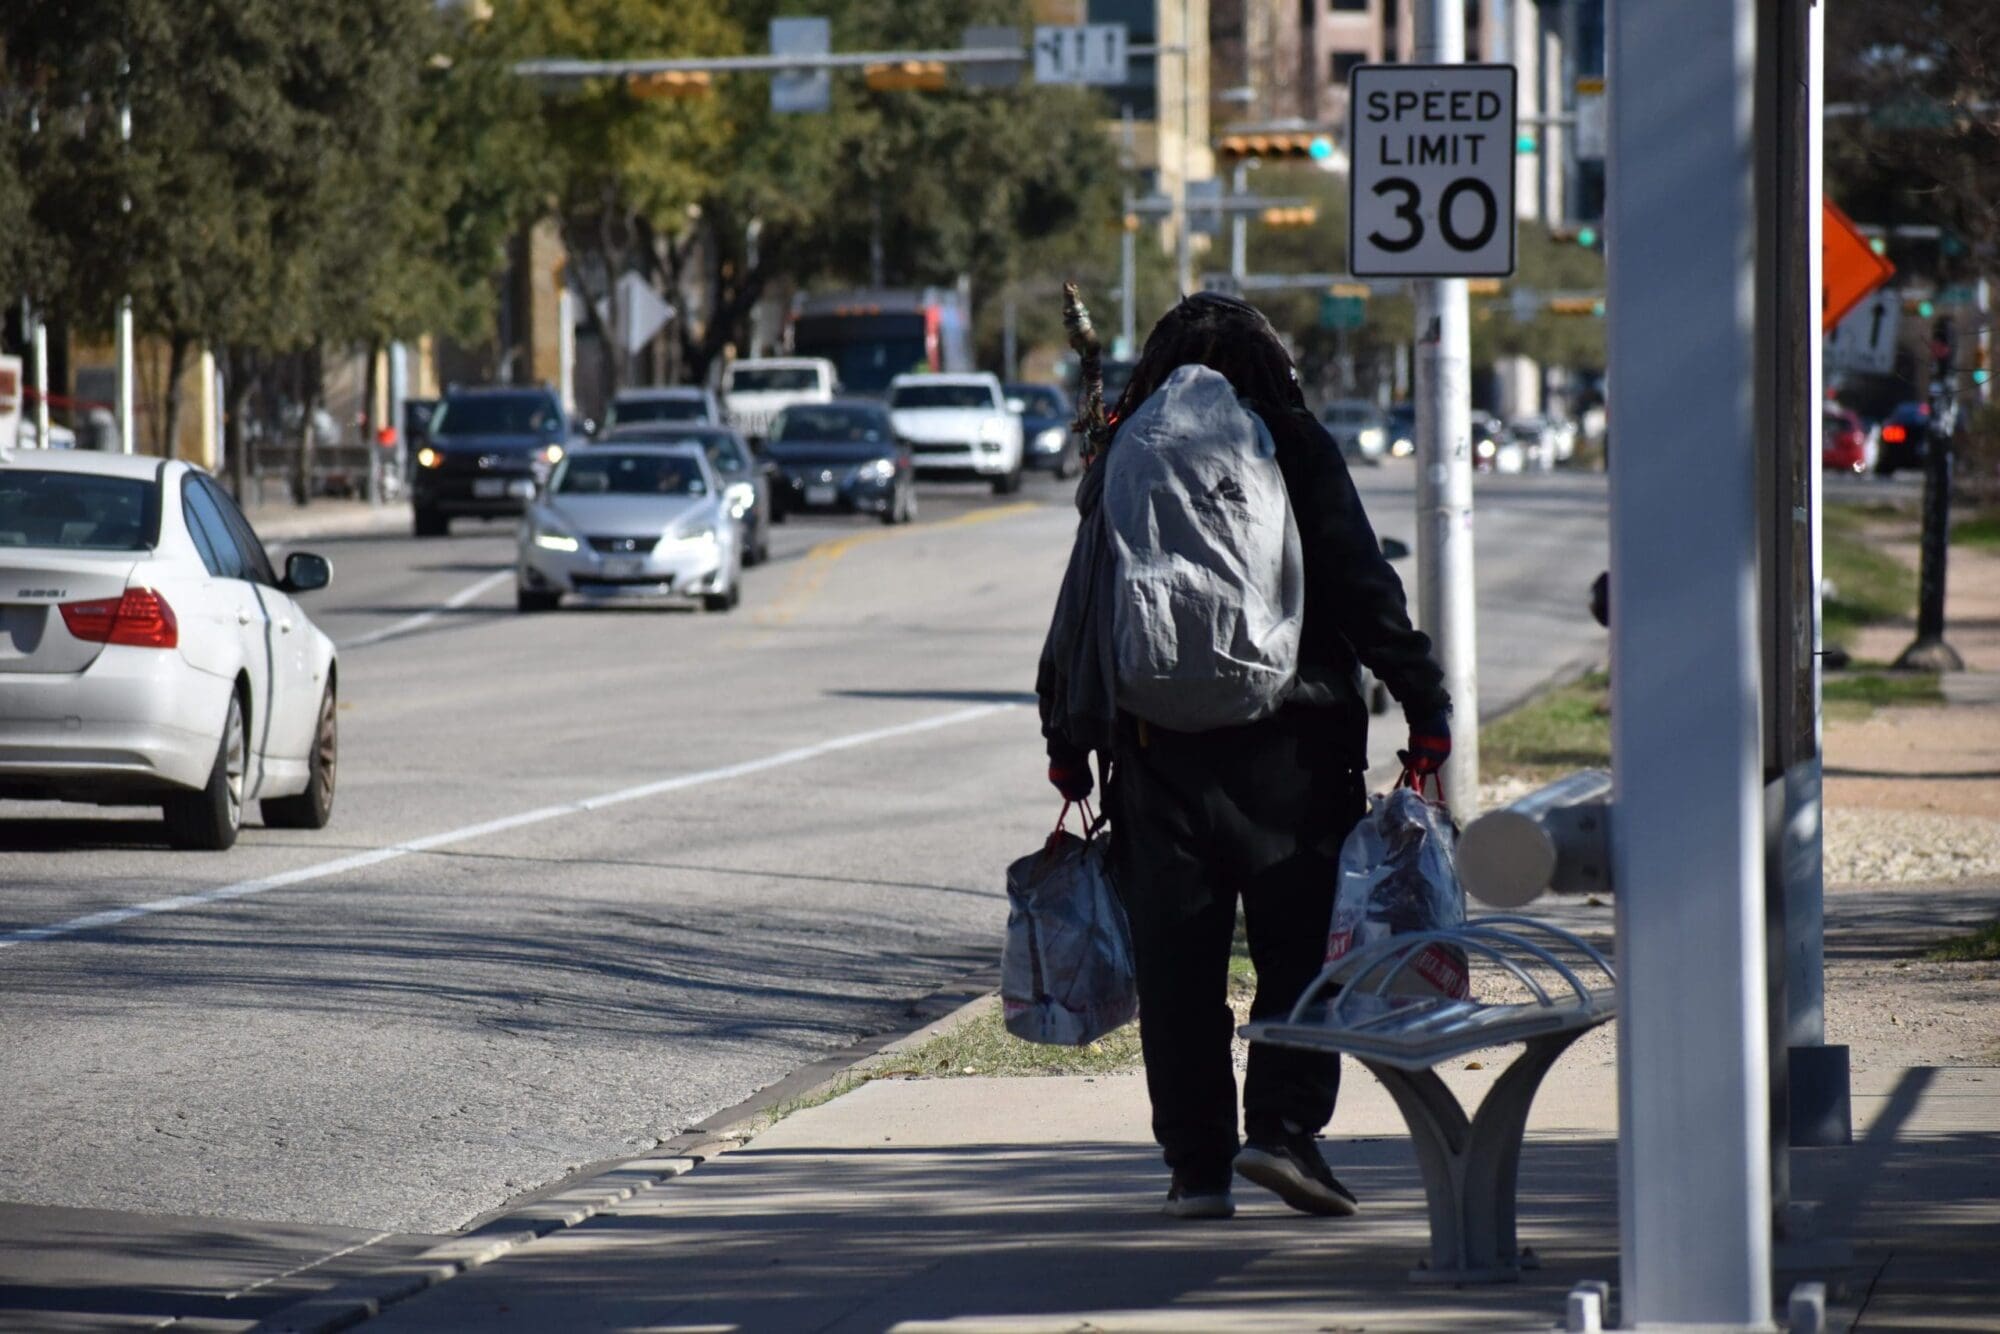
1210 586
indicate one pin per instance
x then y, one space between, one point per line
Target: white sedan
149 654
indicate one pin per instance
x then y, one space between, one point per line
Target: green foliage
1865 692
1981 946
1567 727
1978 530
1870 586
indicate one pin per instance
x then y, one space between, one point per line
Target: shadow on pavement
940 696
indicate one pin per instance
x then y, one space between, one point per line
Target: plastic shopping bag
1398 874
1066 974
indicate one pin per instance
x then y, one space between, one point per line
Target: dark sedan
484 452
746 480
1045 415
841 456
1906 436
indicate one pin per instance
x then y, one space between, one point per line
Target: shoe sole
1283 1178
1200 1206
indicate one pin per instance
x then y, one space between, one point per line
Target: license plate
623 567
822 494
489 488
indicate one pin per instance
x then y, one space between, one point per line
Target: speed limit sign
1431 186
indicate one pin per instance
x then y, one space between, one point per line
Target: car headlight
1372 437
1402 447
1052 439
429 458
551 454
701 534
876 472
550 536
739 496
1484 449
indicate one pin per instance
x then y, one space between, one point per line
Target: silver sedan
631 521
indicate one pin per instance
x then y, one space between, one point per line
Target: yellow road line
817 564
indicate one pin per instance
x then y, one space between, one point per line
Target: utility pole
1183 243
1239 225
1929 652
1444 465
1128 252
125 402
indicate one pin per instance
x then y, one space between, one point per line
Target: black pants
1198 821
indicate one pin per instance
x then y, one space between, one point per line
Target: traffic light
1586 235
914 76
1577 305
1922 307
670 84
1303 216
1980 374
1311 145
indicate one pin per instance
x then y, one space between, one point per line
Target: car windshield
497 414
838 426
772 379
603 472
1040 401
625 411
941 396
80 511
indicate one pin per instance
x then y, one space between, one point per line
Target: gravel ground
1881 847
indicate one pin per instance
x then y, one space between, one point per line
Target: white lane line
424 618
376 856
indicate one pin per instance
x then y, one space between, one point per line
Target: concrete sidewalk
1032 1204
279 520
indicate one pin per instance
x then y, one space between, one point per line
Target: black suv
483 453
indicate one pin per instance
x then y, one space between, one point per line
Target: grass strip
1980 530
1564 728
1870 586
1858 694
1981 946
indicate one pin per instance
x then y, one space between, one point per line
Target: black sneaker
1290 1166
1194 1198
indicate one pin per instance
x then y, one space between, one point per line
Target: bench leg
1471 1167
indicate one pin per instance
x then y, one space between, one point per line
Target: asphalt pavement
592 877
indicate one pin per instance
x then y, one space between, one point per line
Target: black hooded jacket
1355 611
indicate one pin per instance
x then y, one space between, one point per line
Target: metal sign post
1693 1059
1431 196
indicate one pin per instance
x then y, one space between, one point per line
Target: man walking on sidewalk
1257 810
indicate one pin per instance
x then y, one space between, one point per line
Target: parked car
631 521
746 483
669 403
158 659
60 436
841 456
1494 448
1537 439
1045 416
484 452
1843 441
959 425
1359 427
1905 438
756 389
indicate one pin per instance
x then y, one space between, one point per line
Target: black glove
1069 770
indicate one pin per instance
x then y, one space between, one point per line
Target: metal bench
1470 1165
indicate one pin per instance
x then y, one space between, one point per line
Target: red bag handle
1414 781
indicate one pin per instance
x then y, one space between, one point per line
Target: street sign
1866 339
1092 53
1590 123
1849 268
1342 312
1431 182
801 90
642 313
991 37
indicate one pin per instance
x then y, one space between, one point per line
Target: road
592 877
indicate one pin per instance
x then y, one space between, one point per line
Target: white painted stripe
376 856
424 618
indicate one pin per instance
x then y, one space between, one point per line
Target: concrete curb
280 525
591 1190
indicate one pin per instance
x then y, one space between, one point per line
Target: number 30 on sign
1432 177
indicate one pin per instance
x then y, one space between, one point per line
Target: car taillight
141 618
1895 434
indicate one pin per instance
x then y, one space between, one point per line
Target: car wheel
1008 484
429 523
1884 468
528 599
208 820
1066 463
728 598
909 502
312 808
777 511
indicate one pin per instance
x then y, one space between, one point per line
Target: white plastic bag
1398 874
1066 974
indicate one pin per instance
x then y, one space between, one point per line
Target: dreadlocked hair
1226 335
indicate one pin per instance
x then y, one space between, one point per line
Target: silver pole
1009 333
1694 1139
1239 226
1128 319
1183 247
41 337
1444 466
125 403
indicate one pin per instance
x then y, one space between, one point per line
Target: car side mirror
305 572
1394 548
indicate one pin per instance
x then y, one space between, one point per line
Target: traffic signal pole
1444 466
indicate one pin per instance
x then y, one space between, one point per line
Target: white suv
959 425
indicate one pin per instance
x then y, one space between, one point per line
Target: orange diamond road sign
1849 269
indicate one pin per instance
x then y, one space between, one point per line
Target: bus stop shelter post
1681 224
